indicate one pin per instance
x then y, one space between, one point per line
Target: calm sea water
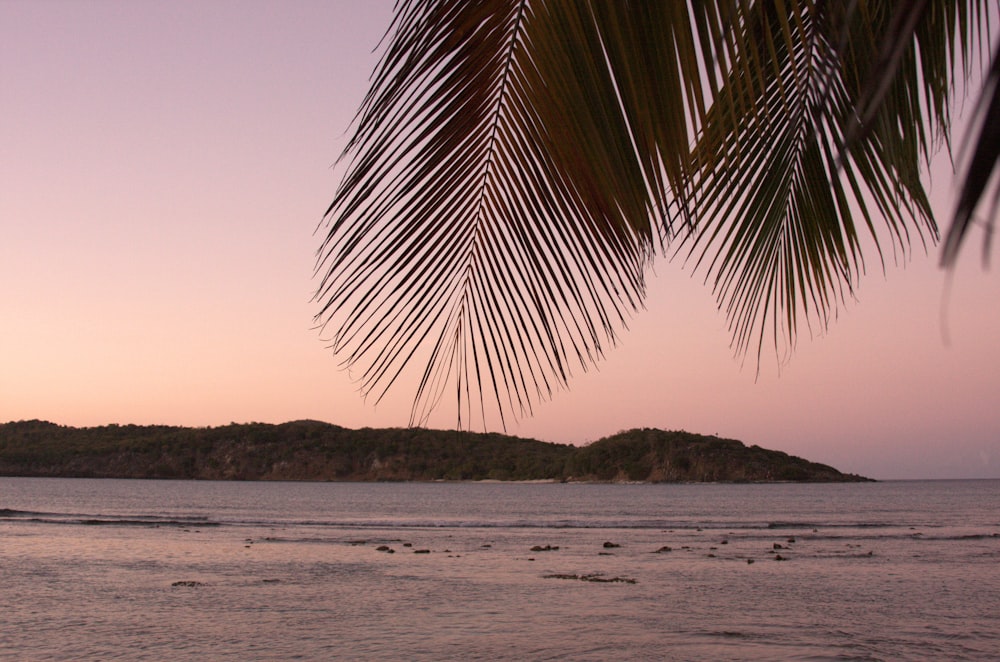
112 569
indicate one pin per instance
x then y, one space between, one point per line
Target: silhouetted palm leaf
812 128
517 163
980 170
435 236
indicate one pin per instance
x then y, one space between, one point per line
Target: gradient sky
163 167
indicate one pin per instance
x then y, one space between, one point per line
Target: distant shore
316 451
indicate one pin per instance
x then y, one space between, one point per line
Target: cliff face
310 450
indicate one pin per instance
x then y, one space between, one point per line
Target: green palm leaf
980 171
435 250
517 163
777 194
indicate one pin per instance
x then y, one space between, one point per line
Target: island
316 451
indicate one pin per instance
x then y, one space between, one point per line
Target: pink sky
162 169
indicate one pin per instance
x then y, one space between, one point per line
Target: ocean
156 570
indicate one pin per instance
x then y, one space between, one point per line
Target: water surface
117 569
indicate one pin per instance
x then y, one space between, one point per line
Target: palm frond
457 238
517 163
824 158
980 170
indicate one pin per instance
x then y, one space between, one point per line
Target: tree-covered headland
311 450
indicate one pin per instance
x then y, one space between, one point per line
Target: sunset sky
163 168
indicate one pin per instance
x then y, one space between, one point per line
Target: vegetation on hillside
311 450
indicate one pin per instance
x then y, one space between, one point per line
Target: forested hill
311 450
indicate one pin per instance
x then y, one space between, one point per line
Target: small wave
747 529
147 522
967 536
474 524
832 525
9 513
88 519
817 529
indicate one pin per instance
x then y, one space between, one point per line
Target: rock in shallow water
594 577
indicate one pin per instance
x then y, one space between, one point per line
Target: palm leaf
980 170
824 159
457 239
517 163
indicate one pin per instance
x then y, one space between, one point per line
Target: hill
311 450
